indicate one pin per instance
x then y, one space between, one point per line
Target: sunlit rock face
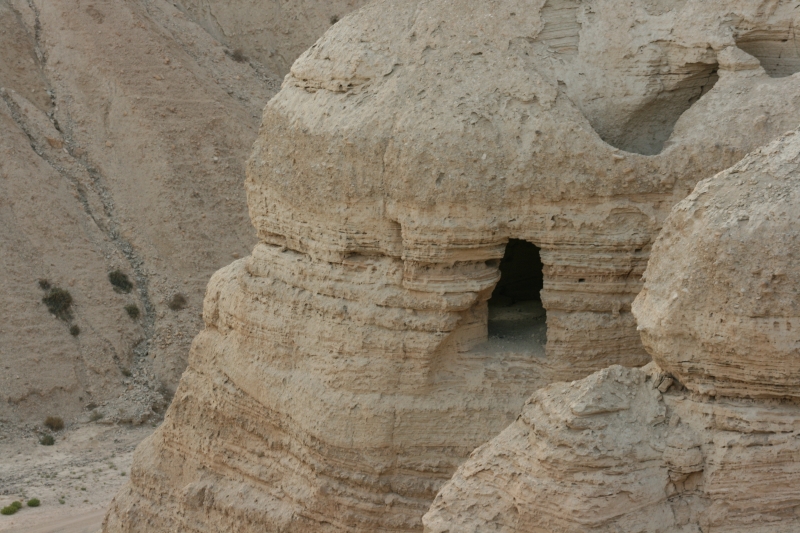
721 305
346 368
635 450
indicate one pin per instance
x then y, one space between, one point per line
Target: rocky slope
697 444
124 130
345 368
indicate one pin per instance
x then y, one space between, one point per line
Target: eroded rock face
344 371
720 308
432 132
124 129
273 33
626 451
612 453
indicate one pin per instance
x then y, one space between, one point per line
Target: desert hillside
125 129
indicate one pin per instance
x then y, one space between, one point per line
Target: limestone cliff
346 368
432 132
634 450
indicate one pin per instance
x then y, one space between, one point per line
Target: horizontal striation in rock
612 453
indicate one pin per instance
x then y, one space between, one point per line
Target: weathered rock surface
721 306
344 371
124 127
611 453
272 33
434 131
626 451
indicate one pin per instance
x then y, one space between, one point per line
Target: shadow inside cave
517 319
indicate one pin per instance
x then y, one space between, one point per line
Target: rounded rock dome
720 307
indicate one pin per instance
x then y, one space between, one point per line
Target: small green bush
34 502
132 311
177 302
58 302
120 281
11 509
334 19
95 416
47 440
74 330
44 284
56 423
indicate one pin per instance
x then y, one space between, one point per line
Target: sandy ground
84 470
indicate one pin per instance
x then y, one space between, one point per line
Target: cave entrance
516 315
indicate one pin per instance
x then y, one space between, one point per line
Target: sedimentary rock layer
612 453
721 305
344 371
434 131
317 399
630 450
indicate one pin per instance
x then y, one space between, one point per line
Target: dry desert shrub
177 302
237 55
120 281
58 302
11 509
56 423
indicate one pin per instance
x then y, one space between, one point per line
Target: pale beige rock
638 461
631 450
272 33
720 308
345 371
437 139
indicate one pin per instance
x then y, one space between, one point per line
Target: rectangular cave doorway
517 318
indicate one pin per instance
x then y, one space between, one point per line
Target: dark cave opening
515 308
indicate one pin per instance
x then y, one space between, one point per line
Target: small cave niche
647 130
517 318
777 51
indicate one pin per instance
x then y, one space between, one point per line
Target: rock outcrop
695 445
413 133
345 370
722 312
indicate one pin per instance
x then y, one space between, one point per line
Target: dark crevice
521 274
